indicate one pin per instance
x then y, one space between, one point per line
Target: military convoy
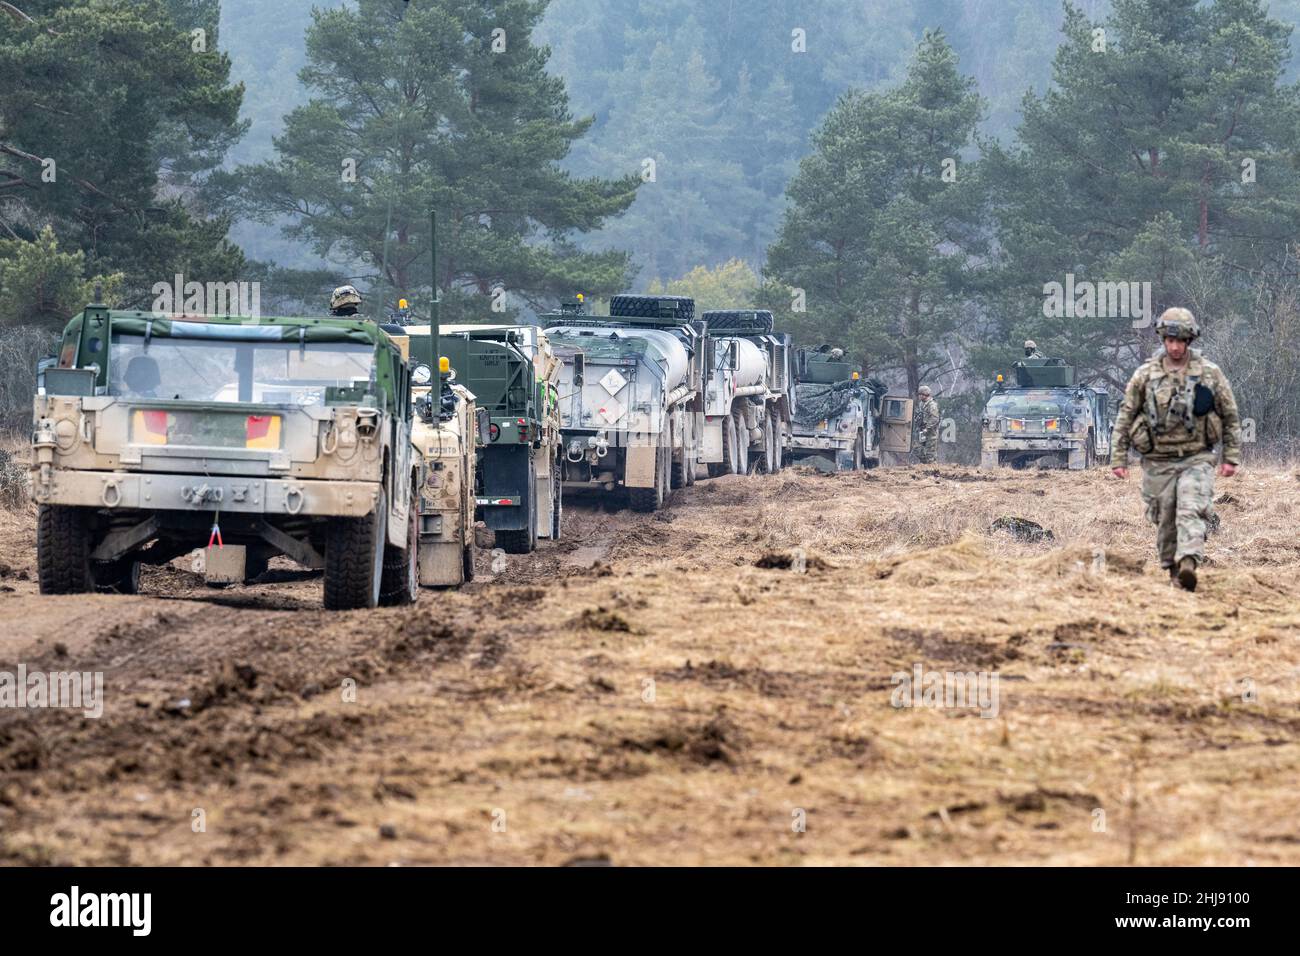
156 434
368 451
1044 419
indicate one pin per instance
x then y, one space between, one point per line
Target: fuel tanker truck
748 399
630 396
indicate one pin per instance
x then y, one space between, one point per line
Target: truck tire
354 559
650 307
651 499
557 512
256 563
778 443
63 546
400 582
769 446
680 463
742 442
523 540
729 447
116 577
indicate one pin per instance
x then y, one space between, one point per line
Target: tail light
149 427
262 431
523 429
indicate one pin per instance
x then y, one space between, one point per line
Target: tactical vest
1192 406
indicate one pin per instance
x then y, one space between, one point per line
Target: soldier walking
927 446
1177 407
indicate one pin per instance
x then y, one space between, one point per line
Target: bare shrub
21 347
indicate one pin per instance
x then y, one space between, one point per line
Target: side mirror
733 356
483 423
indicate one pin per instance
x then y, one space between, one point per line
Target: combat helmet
345 300
924 390
1177 323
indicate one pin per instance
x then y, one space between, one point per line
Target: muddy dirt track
658 689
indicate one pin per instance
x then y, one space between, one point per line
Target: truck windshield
207 370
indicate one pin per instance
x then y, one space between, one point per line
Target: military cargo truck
748 398
514 375
1043 418
630 396
158 434
835 423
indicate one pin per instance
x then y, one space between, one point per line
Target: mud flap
225 565
505 475
639 467
441 563
1078 458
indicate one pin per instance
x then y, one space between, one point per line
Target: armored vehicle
158 434
444 432
514 375
630 396
748 398
1044 419
836 420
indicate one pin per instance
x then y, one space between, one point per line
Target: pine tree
881 234
441 104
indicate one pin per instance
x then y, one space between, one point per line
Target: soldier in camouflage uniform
927 446
1177 407
1031 350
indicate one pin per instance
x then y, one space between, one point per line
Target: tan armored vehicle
444 433
158 434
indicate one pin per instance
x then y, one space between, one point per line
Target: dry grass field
659 689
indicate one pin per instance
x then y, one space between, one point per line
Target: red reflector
258 426
503 501
156 422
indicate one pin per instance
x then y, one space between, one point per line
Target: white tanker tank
751 361
624 396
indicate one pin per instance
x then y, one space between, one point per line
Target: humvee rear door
896 419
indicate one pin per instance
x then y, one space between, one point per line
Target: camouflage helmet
1177 323
924 390
1030 345
345 298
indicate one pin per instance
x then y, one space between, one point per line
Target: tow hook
367 423
201 494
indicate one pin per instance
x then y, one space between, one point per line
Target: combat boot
1187 573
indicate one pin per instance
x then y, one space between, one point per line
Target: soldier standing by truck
927 411
1177 407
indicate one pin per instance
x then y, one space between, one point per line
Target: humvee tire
401 578
63 545
354 559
